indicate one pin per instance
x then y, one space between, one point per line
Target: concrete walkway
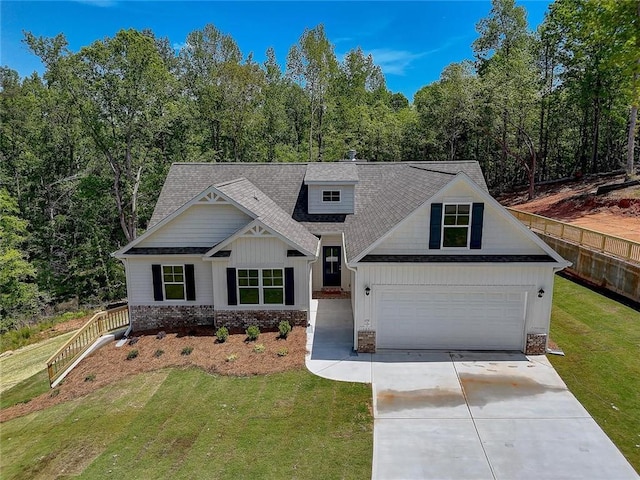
465 415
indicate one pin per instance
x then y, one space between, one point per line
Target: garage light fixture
540 293
367 291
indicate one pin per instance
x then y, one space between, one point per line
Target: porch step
331 293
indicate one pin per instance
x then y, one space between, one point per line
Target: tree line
85 147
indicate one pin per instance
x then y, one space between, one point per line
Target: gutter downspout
354 302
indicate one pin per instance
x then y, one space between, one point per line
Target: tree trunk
631 140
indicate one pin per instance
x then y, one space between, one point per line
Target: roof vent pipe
352 155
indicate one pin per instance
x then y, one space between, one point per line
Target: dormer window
455 225
331 188
331 195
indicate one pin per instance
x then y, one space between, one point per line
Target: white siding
345 280
499 236
529 278
140 281
258 252
345 205
199 226
261 252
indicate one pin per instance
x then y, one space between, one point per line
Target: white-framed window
260 286
331 195
173 282
456 220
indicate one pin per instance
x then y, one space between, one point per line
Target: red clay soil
616 213
110 364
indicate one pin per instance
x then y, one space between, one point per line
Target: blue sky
411 41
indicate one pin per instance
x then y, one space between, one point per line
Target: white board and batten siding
140 280
199 226
499 236
507 291
345 205
261 252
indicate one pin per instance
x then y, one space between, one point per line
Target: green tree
313 65
508 78
121 87
19 295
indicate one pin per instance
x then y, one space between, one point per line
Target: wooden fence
616 246
100 324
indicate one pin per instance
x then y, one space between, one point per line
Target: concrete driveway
465 415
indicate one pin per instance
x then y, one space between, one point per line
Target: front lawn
601 340
185 423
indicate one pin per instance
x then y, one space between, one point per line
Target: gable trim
462 177
255 225
207 193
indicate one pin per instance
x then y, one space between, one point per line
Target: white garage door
468 318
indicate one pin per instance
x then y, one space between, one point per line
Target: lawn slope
601 340
185 423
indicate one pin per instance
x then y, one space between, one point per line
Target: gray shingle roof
338 172
385 193
457 259
246 194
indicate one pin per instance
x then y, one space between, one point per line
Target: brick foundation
366 341
264 319
149 317
536 344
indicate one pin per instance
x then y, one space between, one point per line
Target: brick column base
536 344
366 341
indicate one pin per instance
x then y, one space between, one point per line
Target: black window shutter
289 295
190 280
477 219
232 294
158 294
435 228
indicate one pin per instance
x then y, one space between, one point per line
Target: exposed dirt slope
616 213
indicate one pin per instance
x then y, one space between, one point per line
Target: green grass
188 424
35 333
601 340
27 389
27 361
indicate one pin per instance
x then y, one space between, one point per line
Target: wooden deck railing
616 246
101 323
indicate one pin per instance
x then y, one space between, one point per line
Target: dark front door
331 266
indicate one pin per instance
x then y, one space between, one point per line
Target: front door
331 266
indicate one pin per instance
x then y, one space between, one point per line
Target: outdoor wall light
540 293
367 291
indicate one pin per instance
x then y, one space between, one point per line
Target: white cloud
395 62
179 45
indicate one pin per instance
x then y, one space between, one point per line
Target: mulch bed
110 364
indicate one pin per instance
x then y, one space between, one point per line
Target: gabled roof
271 215
385 193
331 173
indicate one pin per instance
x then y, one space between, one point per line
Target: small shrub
259 348
252 333
222 334
186 351
283 352
158 353
284 328
232 358
132 354
90 378
134 340
161 335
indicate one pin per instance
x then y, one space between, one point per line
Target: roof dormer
331 187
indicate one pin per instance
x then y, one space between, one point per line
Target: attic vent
351 155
